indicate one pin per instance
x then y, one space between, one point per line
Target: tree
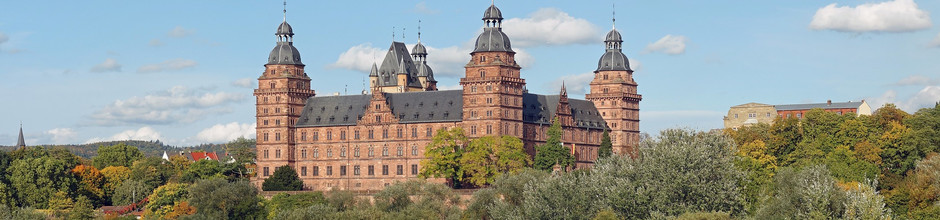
242 150
130 191
220 199
113 177
6 196
116 155
180 209
202 169
153 171
417 199
162 200
810 193
606 149
284 179
846 167
863 202
552 152
759 168
82 209
34 180
487 157
443 155
90 184
285 202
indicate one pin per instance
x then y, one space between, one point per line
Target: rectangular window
489 129
799 115
303 171
329 135
473 129
356 170
329 170
277 153
303 136
316 171
316 135
277 136
342 170
370 134
265 154
399 133
428 132
385 133
414 169
356 134
266 173
414 132
371 170
342 135
400 170
384 170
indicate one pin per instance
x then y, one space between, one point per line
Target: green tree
6 196
162 200
284 179
606 149
863 202
285 202
220 199
810 193
130 191
443 155
785 135
552 152
82 209
846 167
898 157
13 212
116 155
34 180
153 171
242 150
113 177
202 169
417 199
487 157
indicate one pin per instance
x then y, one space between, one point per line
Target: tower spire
285 10
20 142
419 31
613 17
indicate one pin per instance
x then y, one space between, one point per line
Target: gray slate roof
492 39
20 141
540 109
613 60
834 105
388 71
437 106
613 36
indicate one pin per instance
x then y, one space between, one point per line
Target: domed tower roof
493 38
419 49
284 29
613 36
492 13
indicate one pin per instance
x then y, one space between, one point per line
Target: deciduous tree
220 199
116 155
34 180
443 155
284 179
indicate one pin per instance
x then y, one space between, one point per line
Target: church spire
20 142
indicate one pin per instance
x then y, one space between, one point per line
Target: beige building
755 113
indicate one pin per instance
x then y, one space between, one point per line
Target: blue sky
183 71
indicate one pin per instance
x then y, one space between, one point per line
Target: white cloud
550 26
244 83
422 8
936 41
221 133
576 85
179 32
155 43
926 97
669 44
62 135
891 16
917 80
169 65
636 65
145 133
360 58
449 87
176 105
109 65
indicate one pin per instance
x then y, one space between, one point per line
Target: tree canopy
552 152
284 179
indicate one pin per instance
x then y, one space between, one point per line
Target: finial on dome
419 31
613 18
285 10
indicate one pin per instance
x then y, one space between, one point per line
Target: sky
183 72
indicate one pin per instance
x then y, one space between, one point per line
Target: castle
366 142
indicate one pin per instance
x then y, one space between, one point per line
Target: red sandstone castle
365 142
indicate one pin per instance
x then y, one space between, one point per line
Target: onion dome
285 52
419 49
613 36
613 58
285 29
492 38
492 13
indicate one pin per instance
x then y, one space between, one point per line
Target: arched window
356 151
371 151
329 152
316 152
342 152
385 151
414 150
401 151
303 153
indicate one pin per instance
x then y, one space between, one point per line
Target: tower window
401 151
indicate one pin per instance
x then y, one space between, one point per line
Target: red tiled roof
204 155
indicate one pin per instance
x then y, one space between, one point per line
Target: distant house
195 156
755 113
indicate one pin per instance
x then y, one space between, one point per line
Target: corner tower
283 89
614 93
492 86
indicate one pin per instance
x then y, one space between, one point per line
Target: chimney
828 102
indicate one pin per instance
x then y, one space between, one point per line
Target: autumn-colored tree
165 197
487 157
91 184
898 157
181 208
786 134
113 177
443 155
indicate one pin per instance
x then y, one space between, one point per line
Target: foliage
113 177
220 199
90 184
203 169
846 167
810 193
863 202
82 209
552 152
6 195
116 155
180 209
12 212
130 191
419 200
759 168
152 171
443 155
702 216
242 150
35 179
165 197
487 157
284 201
284 179
606 149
